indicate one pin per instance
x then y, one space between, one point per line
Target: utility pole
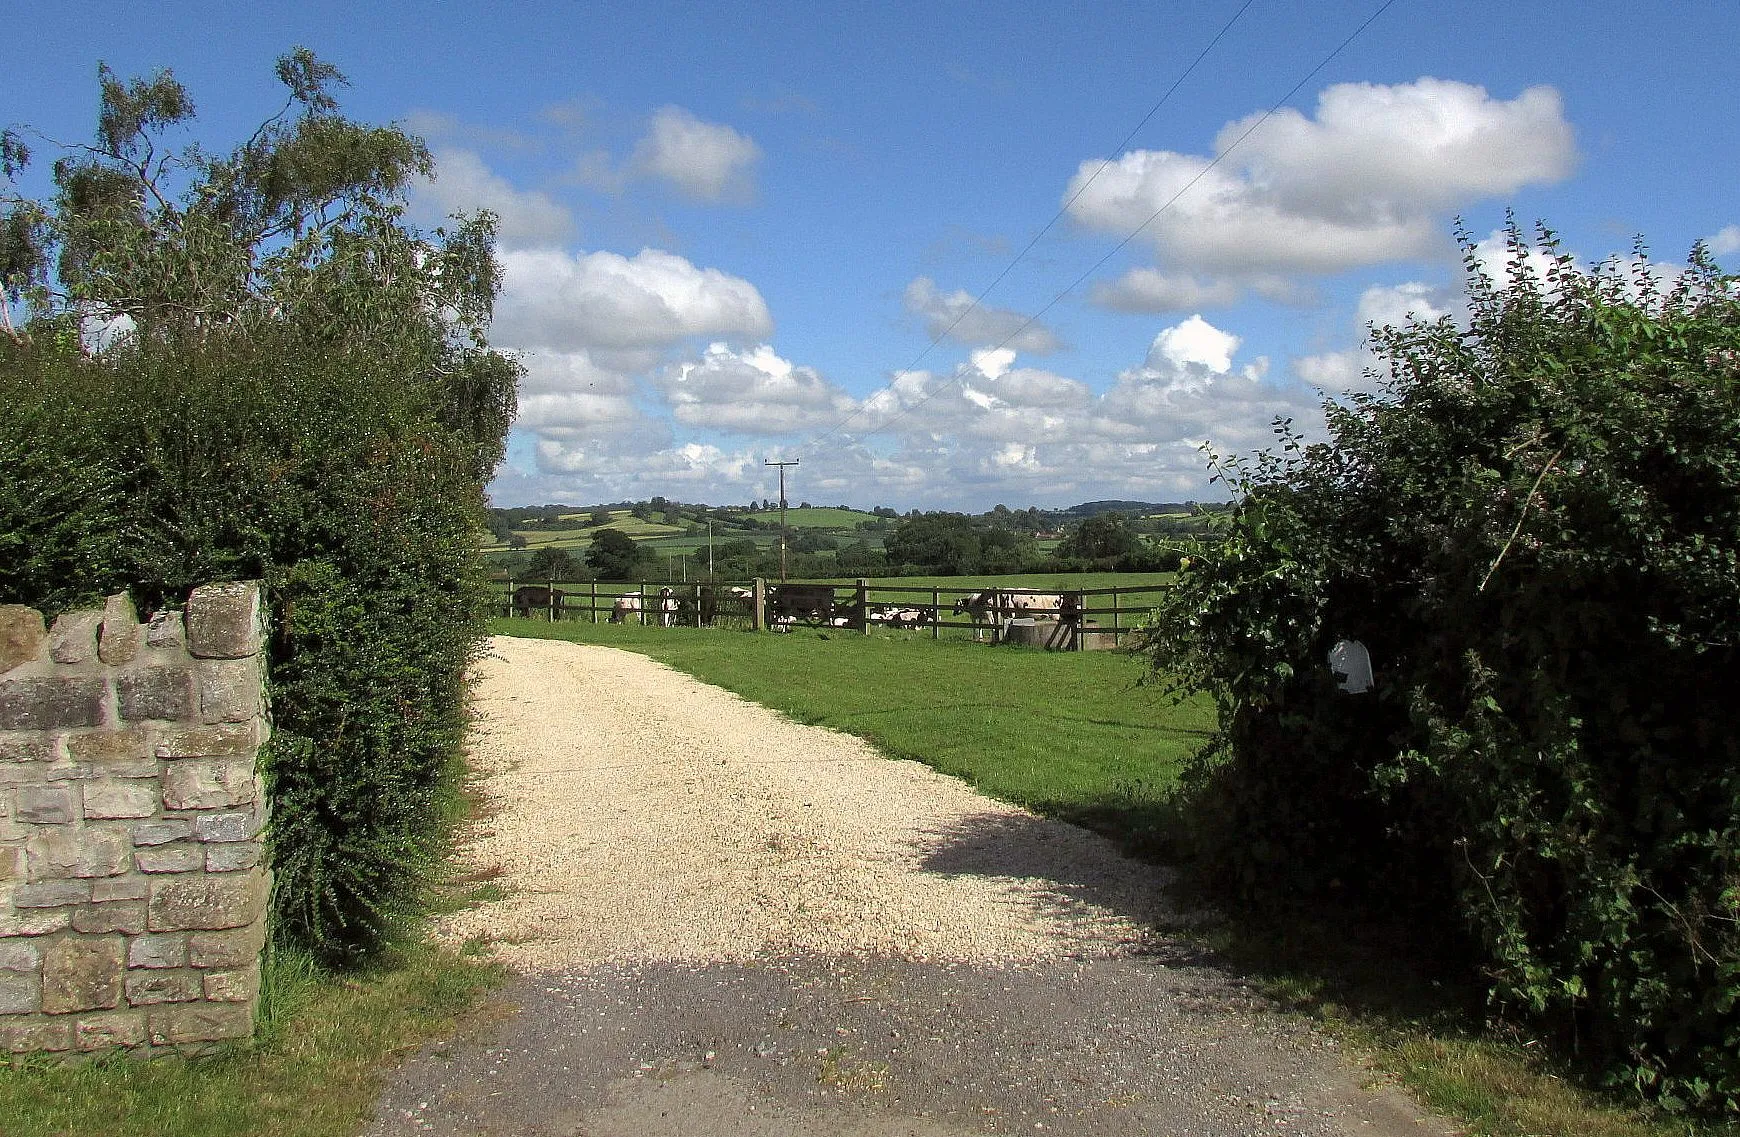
709 548
782 529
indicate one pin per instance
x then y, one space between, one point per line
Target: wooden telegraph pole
782 529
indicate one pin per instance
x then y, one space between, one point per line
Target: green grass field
817 517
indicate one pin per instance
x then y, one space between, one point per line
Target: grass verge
1073 736
312 1069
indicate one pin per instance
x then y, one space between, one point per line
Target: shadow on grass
1323 956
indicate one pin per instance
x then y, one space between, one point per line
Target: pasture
1068 735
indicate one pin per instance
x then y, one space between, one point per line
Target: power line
1058 216
953 381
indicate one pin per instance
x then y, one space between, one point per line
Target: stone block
129 887
102 747
120 636
31 1036
115 1028
21 635
116 916
121 798
47 805
177 857
12 861
77 851
136 768
34 921
158 950
28 749
20 993
232 856
228 740
166 630
155 693
20 955
201 902
200 1022
51 894
51 702
232 986
223 620
162 831
146 988
73 639
229 689
82 973
224 826
206 783
47 772
227 950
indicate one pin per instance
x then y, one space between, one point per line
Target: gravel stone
727 922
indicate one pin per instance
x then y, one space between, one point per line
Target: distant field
817 517
621 520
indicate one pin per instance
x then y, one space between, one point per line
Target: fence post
645 599
550 599
936 610
863 610
1114 615
510 598
758 605
595 600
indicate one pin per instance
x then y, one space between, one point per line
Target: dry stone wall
132 892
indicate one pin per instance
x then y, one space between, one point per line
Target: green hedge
1535 529
331 475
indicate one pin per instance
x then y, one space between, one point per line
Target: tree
552 564
299 230
946 543
290 384
614 555
1533 528
600 516
1106 537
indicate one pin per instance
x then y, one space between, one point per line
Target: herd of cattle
814 604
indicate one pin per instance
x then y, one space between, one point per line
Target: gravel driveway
729 923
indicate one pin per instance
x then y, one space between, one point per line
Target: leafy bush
1535 529
301 392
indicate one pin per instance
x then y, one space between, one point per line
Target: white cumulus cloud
464 183
953 314
751 391
1724 241
559 301
707 161
1365 180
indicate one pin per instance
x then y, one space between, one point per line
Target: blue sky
731 230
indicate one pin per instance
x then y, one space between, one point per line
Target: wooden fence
1072 620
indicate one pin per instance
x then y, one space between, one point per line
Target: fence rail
1072 619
